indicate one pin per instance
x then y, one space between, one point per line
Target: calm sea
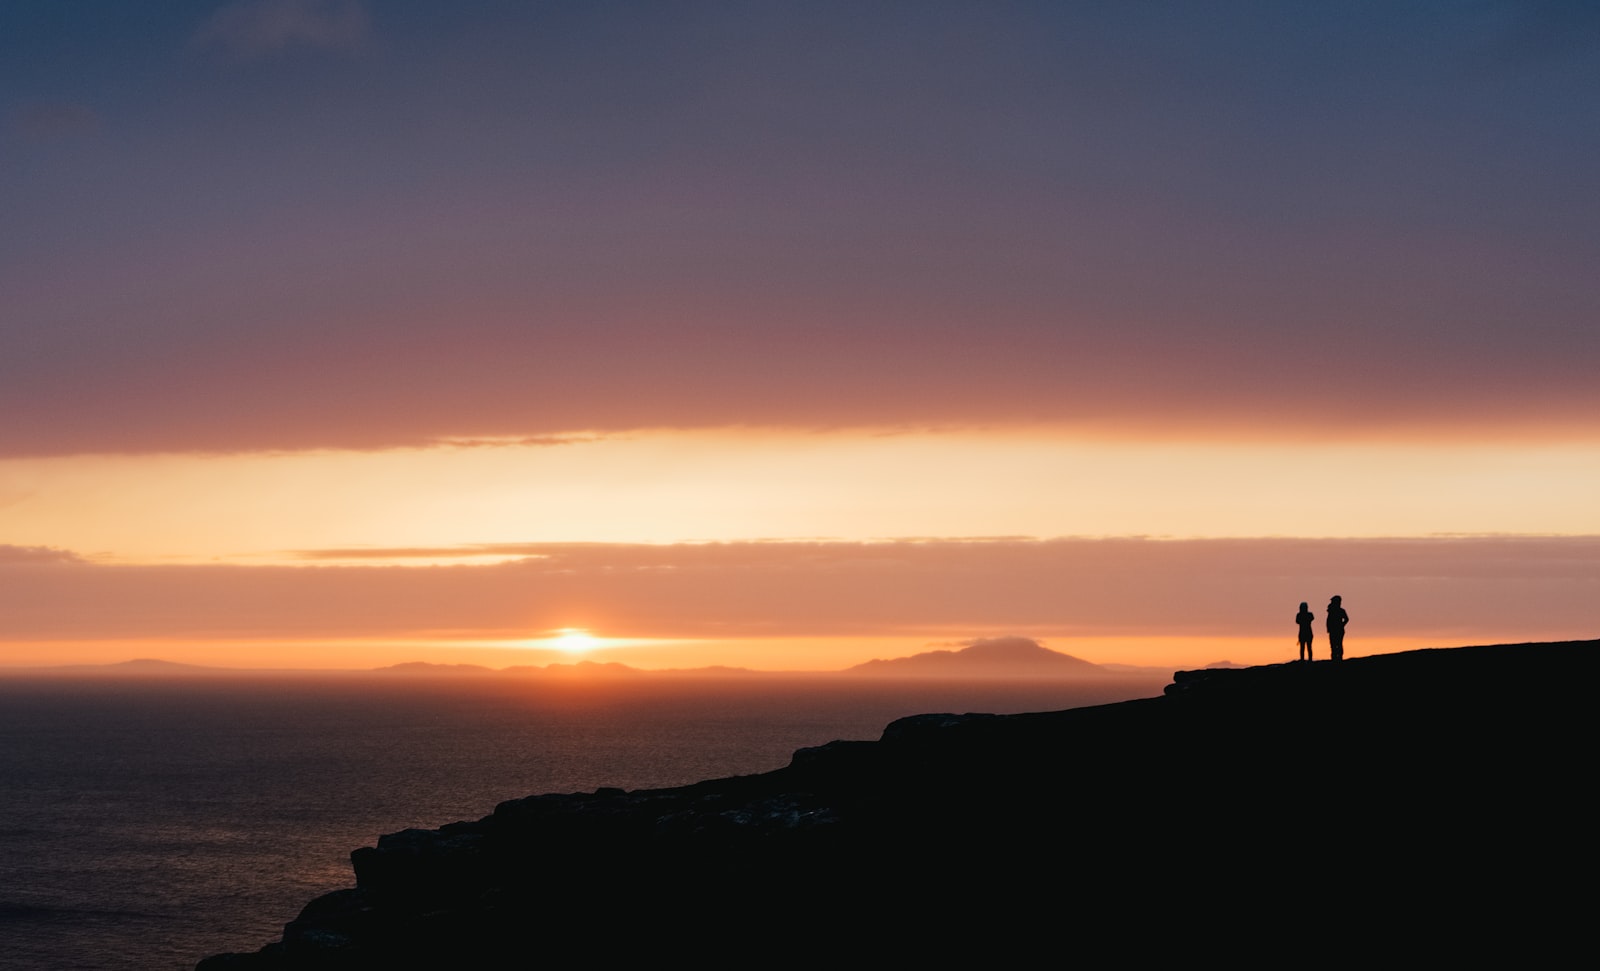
147 823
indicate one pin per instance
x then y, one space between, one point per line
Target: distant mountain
992 658
995 657
138 668
149 665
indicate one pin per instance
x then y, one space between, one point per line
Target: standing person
1304 619
1337 618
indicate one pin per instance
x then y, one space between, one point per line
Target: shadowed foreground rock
1406 807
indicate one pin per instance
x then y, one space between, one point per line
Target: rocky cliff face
1409 806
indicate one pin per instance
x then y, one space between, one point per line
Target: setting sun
574 640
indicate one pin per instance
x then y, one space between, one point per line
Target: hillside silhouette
1420 807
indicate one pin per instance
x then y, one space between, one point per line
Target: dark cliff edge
1410 806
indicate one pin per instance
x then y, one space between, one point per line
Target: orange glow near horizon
432 506
791 654
421 521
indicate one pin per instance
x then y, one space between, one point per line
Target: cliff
1415 806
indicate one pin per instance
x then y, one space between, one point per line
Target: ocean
147 823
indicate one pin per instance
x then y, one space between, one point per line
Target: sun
574 640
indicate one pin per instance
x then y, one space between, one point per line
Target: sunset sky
787 335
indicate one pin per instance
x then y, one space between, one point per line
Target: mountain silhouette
995 657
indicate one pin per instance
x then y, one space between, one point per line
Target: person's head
1336 599
1303 605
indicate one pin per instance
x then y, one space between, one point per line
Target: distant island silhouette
1019 658
998 657
1430 803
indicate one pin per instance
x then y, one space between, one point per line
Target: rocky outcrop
1424 804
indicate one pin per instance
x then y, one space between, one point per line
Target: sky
788 335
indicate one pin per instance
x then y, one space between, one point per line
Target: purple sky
296 223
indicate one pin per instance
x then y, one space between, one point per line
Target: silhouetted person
1304 619
1337 618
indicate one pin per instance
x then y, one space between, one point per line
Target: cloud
998 642
254 28
29 555
518 441
462 551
